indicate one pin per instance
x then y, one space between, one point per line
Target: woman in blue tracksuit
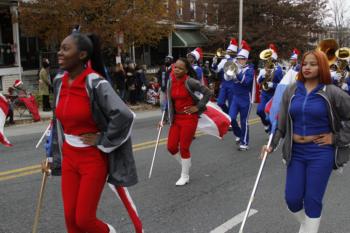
315 140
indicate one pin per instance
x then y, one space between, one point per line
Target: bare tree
340 10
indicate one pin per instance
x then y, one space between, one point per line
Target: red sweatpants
84 172
181 134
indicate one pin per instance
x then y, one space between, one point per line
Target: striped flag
288 78
214 121
123 194
4 108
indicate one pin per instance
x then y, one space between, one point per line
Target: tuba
342 55
266 55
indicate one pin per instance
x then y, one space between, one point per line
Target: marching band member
241 97
194 58
268 78
294 60
184 109
341 75
93 128
226 86
315 140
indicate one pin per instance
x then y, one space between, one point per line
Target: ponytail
91 44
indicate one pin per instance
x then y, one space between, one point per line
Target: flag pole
42 137
255 185
156 147
46 172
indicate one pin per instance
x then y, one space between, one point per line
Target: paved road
221 183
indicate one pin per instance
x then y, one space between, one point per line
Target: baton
41 195
42 137
156 147
255 186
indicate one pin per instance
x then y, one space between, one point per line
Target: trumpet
269 67
343 55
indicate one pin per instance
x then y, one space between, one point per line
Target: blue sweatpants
225 96
307 177
261 109
240 105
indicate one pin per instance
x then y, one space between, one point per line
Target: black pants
46 103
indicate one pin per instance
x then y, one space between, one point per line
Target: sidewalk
142 111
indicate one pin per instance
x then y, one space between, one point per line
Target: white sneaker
243 147
238 140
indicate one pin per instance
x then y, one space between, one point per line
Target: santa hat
197 54
295 54
17 83
233 45
274 49
244 51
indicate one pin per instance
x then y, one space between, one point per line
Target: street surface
221 182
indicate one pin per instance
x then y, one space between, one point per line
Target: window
179 8
205 13
1 88
193 9
216 6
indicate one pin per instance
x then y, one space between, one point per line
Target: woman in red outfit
184 105
94 126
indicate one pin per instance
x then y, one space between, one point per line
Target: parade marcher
163 77
341 74
241 97
44 84
195 58
268 78
294 60
92 128
184 108
226 85
315 140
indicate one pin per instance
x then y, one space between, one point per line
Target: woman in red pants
184 105
92 127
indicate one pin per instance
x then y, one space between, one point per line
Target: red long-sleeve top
180 95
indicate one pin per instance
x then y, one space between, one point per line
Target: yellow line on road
33 169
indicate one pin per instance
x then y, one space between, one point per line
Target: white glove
262 72
215 60
345 87
229 77
270 84
335 76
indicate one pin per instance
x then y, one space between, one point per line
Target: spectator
44 84
119 80
131 83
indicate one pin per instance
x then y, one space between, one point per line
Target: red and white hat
295 54
244 51
274 51
233 45
197 54
17 83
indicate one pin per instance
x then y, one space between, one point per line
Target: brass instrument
231 68
342 54
269 67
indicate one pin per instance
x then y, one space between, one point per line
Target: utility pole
240 22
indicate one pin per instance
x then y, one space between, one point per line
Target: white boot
111 229
177 156
300 217
311 225
185 172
